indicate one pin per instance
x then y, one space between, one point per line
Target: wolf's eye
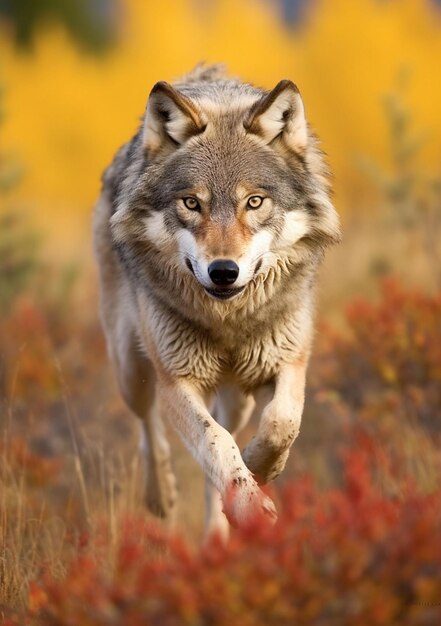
192 204
254 202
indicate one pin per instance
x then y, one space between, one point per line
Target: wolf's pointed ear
170 118
280 113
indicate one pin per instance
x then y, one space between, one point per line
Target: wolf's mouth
220 293
224 293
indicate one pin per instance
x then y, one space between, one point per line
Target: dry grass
69 448
372 248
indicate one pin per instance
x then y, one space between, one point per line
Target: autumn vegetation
345 58
364 549
358 540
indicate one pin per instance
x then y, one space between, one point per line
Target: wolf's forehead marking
223 93
193 188
227 106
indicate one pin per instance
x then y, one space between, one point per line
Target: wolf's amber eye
254 202
192 204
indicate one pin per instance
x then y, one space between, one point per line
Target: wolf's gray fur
218 170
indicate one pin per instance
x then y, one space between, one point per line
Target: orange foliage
67 113
390 365
35 338
352 555
21 461
366 551
24 338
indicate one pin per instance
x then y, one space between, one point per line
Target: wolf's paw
160 494
244 505
265 461
267 453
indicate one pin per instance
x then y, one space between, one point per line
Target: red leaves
386 376
365 552
37 598
394 344
19 458
37 340
352 555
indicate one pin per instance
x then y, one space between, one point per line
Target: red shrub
368 552
19 460
43 346
351 556
390 363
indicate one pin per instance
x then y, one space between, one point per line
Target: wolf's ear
170 118
280 113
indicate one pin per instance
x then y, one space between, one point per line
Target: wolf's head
232 176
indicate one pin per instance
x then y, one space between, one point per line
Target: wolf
209 232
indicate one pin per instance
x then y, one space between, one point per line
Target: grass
70 473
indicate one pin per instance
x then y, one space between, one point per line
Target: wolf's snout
223 272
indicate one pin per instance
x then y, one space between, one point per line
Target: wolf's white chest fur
248 359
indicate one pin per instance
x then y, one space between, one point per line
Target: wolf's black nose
223 272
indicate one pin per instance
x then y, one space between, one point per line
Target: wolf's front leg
216 451
268 451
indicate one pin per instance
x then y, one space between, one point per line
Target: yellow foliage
67 112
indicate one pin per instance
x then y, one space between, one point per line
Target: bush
390 360
352 555
365 551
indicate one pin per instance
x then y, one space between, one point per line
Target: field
358 539
360 518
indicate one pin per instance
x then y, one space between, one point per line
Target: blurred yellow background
67 111
70 474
